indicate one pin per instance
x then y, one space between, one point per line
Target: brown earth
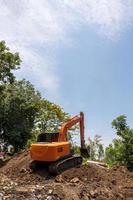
17 181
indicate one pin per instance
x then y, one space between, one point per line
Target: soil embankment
87 182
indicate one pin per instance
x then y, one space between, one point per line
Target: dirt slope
86 182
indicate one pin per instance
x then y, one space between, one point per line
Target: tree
23 112
50 116
121 150
8 62
114 152
96 148
100 153
19 111
120 124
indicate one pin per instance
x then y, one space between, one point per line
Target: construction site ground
89 181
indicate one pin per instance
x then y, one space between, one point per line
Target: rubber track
62 165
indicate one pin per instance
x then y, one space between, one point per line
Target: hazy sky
79 54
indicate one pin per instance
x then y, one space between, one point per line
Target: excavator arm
73 121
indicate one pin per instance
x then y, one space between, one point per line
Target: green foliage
33 138
76 149
85 161
23 113
20 107
96 148
8 62
113 153
120 152
50 116
120 125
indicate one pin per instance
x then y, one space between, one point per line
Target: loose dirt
89 181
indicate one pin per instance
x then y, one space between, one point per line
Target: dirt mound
18 170
86 182
18 162
99 183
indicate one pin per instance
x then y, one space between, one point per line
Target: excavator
54 149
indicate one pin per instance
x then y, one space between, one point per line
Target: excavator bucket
84 152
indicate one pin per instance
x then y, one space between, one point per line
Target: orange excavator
54 149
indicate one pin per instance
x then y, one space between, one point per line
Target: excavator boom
73 121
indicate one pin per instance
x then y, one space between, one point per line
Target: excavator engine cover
49 151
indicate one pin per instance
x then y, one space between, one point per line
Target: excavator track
62 165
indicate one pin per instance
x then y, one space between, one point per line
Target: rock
11 183
92 193
49 198
85 179
50 191
15 184
22 189
31 190
59 179
75 180
113 182
52 197
5 197
39 196
23 170
33 197
85 198
1 196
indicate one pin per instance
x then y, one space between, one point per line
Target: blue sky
98 75
78 54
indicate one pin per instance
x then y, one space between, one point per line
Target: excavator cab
48 137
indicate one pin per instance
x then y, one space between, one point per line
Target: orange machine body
49 152
53 151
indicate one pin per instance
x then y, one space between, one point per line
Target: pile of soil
17 181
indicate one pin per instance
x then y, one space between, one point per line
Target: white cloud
108 17
37 28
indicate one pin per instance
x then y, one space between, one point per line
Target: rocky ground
87 182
